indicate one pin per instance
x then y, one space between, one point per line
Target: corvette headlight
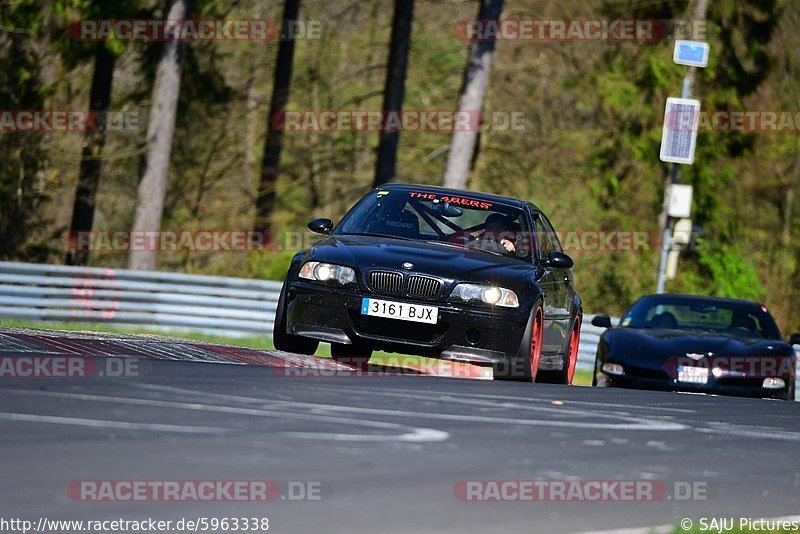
613 369
496 296
326 272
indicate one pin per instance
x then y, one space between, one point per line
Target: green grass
582 378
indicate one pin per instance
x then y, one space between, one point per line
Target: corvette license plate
692 375
402 312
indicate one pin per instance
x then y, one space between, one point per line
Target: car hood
445 261
655 348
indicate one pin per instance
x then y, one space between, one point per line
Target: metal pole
666 242
666 237
700 12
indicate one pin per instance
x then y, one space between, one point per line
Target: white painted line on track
629 422
433 395
661 529
407 433
119 425
419 435
633 423
757 432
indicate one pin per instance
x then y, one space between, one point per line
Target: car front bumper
737 387
462 333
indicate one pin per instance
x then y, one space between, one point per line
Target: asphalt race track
386 453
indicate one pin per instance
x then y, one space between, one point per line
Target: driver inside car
741 320
499 234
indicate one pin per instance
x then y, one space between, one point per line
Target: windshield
434 217
678 313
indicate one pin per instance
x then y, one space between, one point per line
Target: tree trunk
476 79
395 88
788 205
252 137
91 157
160 132
270 166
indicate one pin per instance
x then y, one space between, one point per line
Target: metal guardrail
162 301
590 338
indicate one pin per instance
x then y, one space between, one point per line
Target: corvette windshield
440 218
678 313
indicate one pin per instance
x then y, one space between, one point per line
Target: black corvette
441 273
697 344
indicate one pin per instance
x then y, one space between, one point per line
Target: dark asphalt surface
387 450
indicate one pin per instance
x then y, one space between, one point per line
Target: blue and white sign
691 53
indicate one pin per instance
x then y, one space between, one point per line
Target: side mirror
321 226
601 321
559 260
794 339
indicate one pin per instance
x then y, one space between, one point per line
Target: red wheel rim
536 342
573 349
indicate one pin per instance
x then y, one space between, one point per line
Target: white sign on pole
680 201
679 138
682 232
691 53
672 265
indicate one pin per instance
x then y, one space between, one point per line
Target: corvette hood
657 348
443 260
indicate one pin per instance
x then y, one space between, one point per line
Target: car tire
282 339
565 375
525 365
355 355
790 391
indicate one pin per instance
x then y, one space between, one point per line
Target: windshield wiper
445 243
457 245
369 234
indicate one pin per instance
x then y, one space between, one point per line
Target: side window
546 237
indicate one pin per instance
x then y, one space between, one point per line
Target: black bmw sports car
441 273
700 344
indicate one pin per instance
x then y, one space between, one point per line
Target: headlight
773 383
613 369
496 296
326 272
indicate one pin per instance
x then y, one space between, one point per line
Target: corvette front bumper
744 387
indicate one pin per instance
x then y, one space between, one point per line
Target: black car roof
456 192
703 298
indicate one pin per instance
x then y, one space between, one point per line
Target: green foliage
728 274
271 265
23 227
632 87
588 153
